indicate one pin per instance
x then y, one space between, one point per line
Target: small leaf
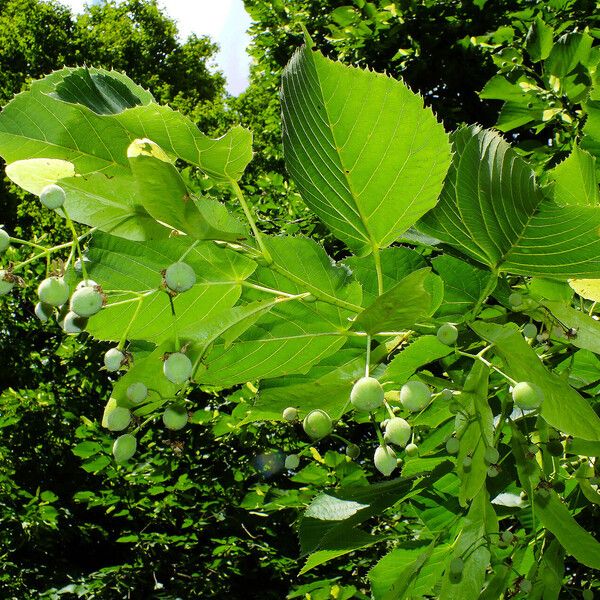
575 180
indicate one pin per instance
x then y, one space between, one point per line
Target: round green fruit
587 595
290 413
292 461
73 323
493 471
411 450
457 566
525 586
352 451
317 424
452 445
124 447
43 311
415 396
137 392
113 359
467 463
507 537
527 395
447 334
446 394
54 291
530 330
491 456
7 282
86 283
175 417
177 368
366 394
385 460
180 277
4 240
397 431
118 418
86 301
53 196
515 299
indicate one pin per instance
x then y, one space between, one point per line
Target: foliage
431 228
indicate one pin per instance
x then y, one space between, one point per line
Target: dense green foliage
204 511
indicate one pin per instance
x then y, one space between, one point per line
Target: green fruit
455 407
587 595
555 448
559 486
515 299
118 418
527 396
54 291
180 277
415 396
177 368
366 394
175 417
493 471
73 323
53 196
86 283
397 431
317 424
43 311
452 446
447 334
525 586
446 394
411 450
491 456
467 463
457 566
530 330
137 392
124 447
507 537
86 301
290 413
7 282
4 240
385 460
352 451
292 461
113 359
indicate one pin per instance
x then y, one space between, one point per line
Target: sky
225 21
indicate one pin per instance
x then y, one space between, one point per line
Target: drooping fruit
529 330
177 368
137 392
86 283
491 456
4 240
118 418
43 311
86 301
411 450
446 394
113 359
457 566
493 471
507 537
415 396
124 447
7 282
515 299
467 463
53 196
175 417
397 431
352 451
587 595
290 413
292 461
527 395
317 424
73 323
366 394
54 291
525 586
447 334
180 277
452 446
385 460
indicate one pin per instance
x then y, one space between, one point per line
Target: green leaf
399 308
548 583
165 196
523 364
477 435
539 40
492 210
569 50
587 329
328 508
339 124
575 181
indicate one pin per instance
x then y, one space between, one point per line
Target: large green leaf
368 158
587 329
575 179
492 210
523 364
